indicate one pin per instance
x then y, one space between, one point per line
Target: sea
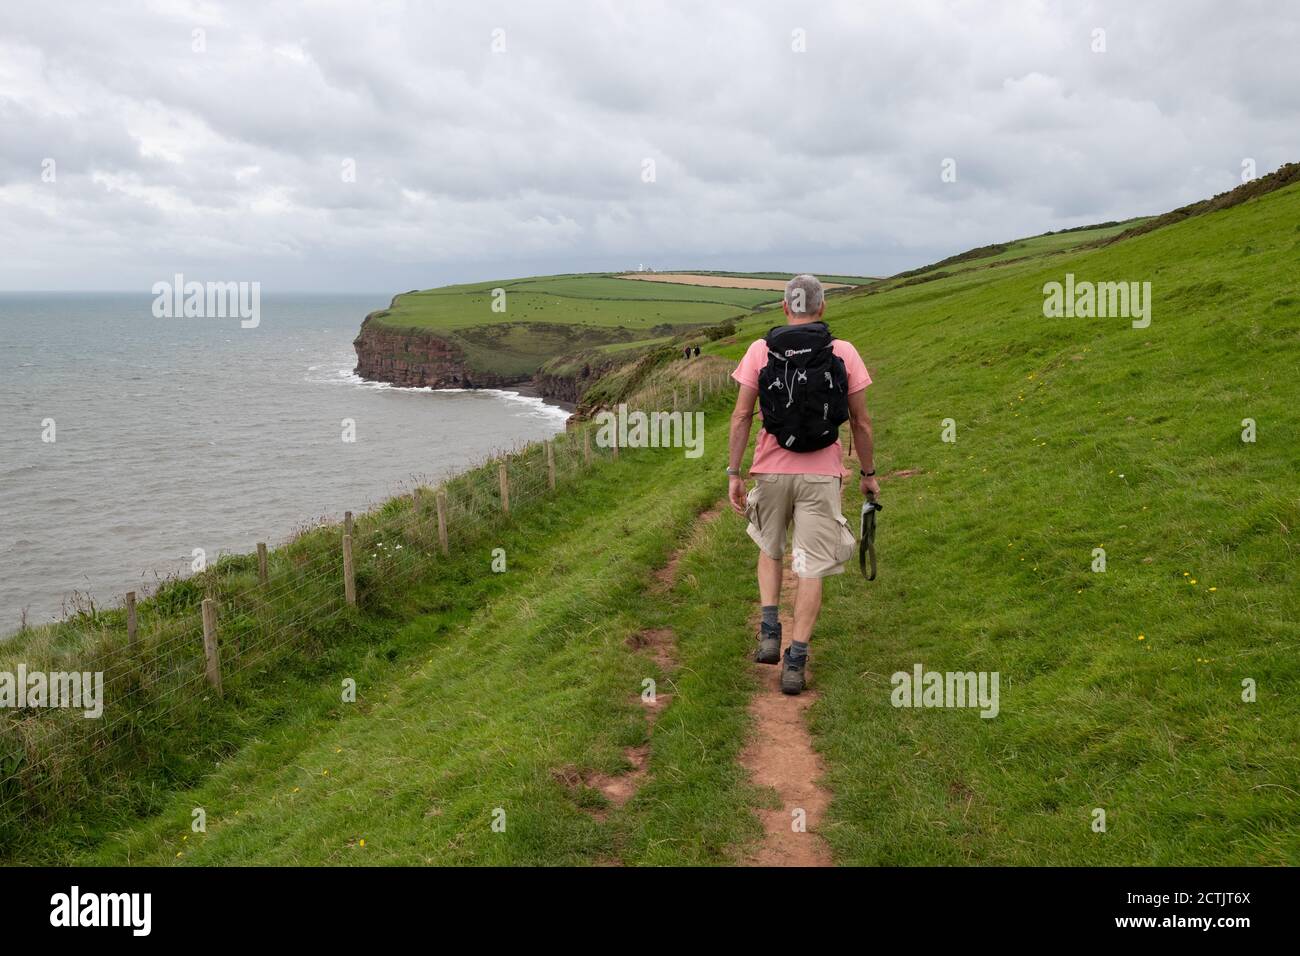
127 441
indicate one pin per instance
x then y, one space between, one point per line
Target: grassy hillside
1047 245
1120 690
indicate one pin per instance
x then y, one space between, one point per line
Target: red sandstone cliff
411 358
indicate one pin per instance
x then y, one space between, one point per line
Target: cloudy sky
381 146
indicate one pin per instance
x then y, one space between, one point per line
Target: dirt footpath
781 756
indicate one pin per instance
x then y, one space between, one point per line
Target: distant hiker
697 351
686 353
807 383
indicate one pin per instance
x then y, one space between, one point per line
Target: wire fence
205 645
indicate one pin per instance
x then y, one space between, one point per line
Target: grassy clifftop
489 333
471 333
1121 689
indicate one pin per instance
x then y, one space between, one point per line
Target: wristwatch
867 474
733 472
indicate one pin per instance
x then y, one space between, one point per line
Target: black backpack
804 390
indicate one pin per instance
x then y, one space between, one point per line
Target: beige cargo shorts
822 539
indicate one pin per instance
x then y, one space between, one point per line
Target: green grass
598 301
456 313
1075 434
487 709
480 691
642 343
625 290
472 686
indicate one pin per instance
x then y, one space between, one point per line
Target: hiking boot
792 681
769 644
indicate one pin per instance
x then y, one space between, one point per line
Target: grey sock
798 650
769 615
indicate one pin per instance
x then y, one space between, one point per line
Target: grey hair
804 295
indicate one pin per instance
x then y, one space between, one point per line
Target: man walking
807 384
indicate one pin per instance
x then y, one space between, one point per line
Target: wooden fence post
347 523
701 391
349 572
131 623
550 464
586 446
211 656
442 521
505 486
261 562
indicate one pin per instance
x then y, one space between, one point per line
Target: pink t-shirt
769 457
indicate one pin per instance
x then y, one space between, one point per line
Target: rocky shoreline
416 359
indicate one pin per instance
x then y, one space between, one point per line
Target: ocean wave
532 405
332 373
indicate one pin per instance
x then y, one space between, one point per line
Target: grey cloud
478 165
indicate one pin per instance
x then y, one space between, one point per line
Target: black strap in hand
867 545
